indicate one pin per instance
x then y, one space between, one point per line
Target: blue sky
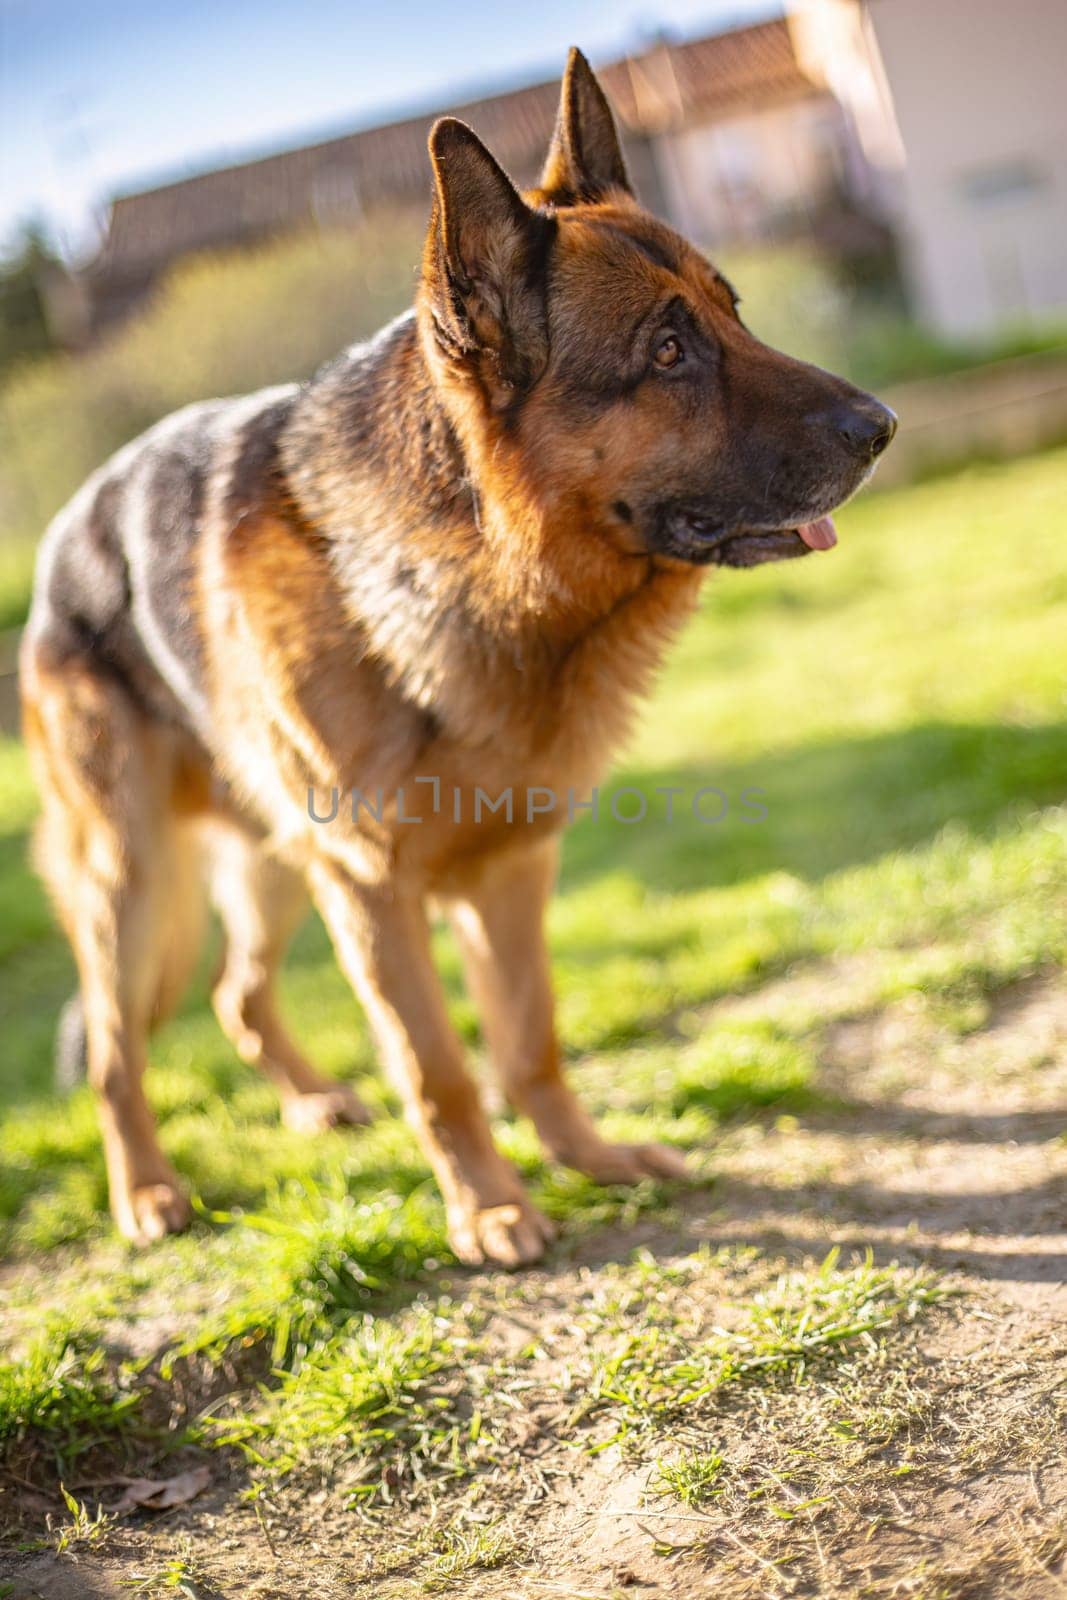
101 96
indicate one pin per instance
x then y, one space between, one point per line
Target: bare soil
948 1483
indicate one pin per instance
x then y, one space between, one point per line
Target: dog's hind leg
261 903
104 848
186 926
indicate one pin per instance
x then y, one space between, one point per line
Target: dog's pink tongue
821 535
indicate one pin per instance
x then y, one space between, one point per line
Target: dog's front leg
382 940
499 923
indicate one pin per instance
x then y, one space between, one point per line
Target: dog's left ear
484 264
585 158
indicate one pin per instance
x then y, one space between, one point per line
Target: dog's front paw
324 1108
627 1163
511 1235
151 1211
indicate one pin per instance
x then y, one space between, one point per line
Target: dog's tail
71 1048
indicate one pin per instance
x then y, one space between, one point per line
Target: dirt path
933 1465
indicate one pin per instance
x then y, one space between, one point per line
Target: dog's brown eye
668 352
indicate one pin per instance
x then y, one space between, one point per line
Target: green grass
85 1528
59 1391
179 1572
469 1550
900 705
394 1403
654 1375
693 1479
363 1395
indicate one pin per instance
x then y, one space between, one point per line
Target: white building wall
835 46
740 177
980 93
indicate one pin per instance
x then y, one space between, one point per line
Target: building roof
705 80
667 85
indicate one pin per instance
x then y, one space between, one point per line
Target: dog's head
604 363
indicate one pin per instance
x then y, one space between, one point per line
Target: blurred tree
24 329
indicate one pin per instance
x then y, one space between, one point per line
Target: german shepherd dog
456 555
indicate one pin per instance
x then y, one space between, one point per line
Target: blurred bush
793 297
219 325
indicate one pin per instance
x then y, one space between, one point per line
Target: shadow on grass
737 1213
905 1122
828 806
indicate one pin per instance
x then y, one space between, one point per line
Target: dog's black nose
866 426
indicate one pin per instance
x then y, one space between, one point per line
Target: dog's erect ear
485 260
585 158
